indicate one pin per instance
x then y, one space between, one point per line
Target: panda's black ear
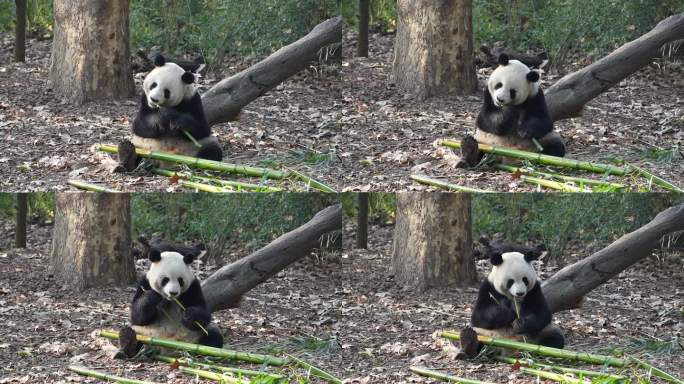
503 59
159 61
189 258
154 255
532 76
534 253
495 258
188 77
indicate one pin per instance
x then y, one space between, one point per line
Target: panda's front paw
525 132
518 326
194 315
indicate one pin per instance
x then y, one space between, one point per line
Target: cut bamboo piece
90 187
312 182
576 371
220 378
553 376
545 159
205 365
656 180
105 376
549 184
444 185
578 180
315 371
227 183
202 349
444 377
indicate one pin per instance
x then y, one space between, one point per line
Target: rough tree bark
20 228
90 55
432 240
362 221
91 240
433 50
364 16
20 31
225 99
565 289
224 288
568 95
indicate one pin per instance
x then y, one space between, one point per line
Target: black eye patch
153 86
513 93
509 283
498 85
527 282
164 281
167 93
181 282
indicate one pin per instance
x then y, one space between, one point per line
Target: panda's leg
128 159
214 338
470 153
210 150
550 336
553 144
470 345
129 346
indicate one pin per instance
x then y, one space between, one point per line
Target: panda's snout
519 294
154 100
500 100
173 293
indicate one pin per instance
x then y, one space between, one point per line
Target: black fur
195 307
128 344
213 339
144 308
157 122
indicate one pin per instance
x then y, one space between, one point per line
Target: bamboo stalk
90 187
575 371
312 182
315 370
655 371
205 365
656 180
578 180
444 185
226 183
549 184
444 377
218 377
545 159
203 187
544 351
194 141
105 376
202 349
538 145
203 163
553 376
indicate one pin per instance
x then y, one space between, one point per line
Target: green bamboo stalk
226 183
545 159
203 163
552 376
538 145
444 185
655 371
194 141
444 377
575 371
90 187
206 365
203 187
315 371
312 182
202 349
656 180
549 184
218 377
105 376
544 351
578 180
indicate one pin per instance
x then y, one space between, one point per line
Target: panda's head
170 274
167 85
512 82
512 274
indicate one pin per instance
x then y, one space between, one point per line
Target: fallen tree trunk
225 99
224 288
568 95
565 289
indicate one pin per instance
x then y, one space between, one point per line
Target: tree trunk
433 240
566 288
91 240
20 32
20 228
433 50
567 96
90 54
224 288
225 99
362 221
364 16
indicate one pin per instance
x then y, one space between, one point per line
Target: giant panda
514 111
512 280
170 109
155 312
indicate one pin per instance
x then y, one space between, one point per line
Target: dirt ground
347 126
390 328
46 327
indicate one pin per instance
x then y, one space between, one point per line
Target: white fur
511 76
173 267
516 268
168 76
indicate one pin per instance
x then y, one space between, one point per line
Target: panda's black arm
536 121
492 310
493 119
196 310
148 123
534 311
190 118
144 306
